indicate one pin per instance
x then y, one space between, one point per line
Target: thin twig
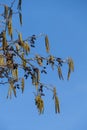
24 59
49 87
12 3
3 83
36 36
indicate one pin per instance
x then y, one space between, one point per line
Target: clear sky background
65 22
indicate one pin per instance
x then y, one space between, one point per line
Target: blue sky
65 22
